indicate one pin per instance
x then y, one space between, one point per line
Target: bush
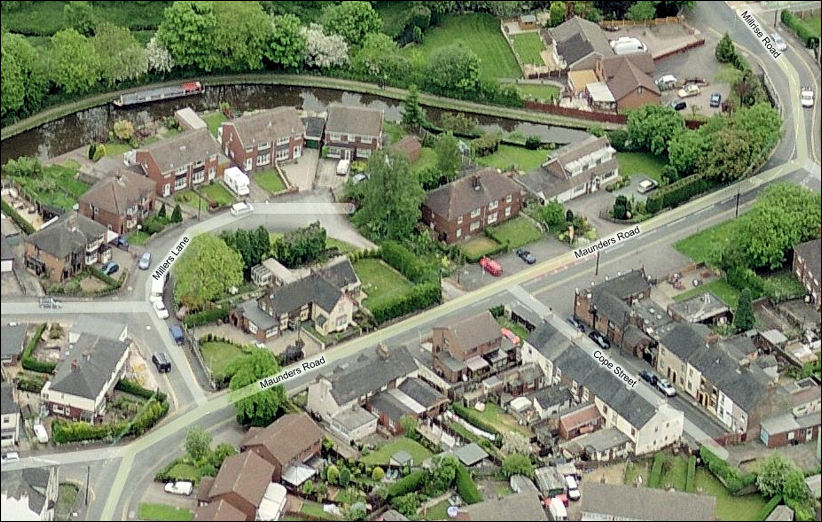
485 145
767 508
656 470
377 474
502 247
681 190
407 484
30 382
619 140
206 317
419 297
134 388
653 204
24 225
533 142
300 246
497 311
28 360
64 431
466 487
406 262
469 415
802 29
733 479
99 152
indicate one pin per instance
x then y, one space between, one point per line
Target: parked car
573 488
511 336
160 360
41 433
241 209
600 340
649 377
145 261
111 268
666 81
806 96
160 310
177 334
50 302
526 256
778 42
688 91
121 242
716 99
179 488
11 456
665 386
646 185
343 166
491 266
576 323
678 105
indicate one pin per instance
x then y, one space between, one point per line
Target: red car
491 266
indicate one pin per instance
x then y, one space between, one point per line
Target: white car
778 42
689 90
160 310
179 488
11 456
646 185
666 387
572 487
241 209
806 96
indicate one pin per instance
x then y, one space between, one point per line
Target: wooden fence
682 49
606 24
577 113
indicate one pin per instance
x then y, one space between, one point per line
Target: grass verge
150 511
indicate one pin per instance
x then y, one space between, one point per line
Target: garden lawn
815 23
700 245
315 510
719 287
116 149
379 281
478 247
438 511
516 232
546 92
728 507
270 180
428 158
641 164
149 511
677 474
218 355
57 187
190 198
66 496
214 120
502 421
217 192
138 238
519 158
342 246
479 32
528 46
517 328
183 471
638 468
383 455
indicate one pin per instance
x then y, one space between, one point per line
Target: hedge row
677 192
465 486
134 388
24 225
407 484
30 382
656 470
110 281
475 258
689 481
767 508
29 362
364 254
206 316
802 29
405 262
469 415
419 297
152 411
734 479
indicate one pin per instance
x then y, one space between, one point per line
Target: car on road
576 323
678 105
778 42
648 377
177 334
716 99
50 302
646 185
806 97
145 261
241 209
181 487
688 91
11 456
111 268
526 256
491 266
160 360
600 340
665 386
160 310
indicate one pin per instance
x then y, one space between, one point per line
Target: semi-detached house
184 161
66 247
256 141
353 133
120 201
807 265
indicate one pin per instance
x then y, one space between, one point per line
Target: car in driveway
121 242
688 91
160 310
678 105
648 377
111 268
716 100
526 256
600 340
145 261
573 321
778 42
11 456
181 487
646 185
491 266
665 386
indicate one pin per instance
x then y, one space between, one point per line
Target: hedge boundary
800 27
468 415
24 225
466 487
767 508
28 360
656 470
690 487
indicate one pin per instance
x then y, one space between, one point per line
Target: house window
264 159
180 183
507 211
283 140
249 149
493 205
492 218
95 210
459 233
252 327
509 198
282 154
199 176
264 145
248 164
363 153
212 171
342 321
167 189
633 432
474 226
335 136
459 220
182 170
475 213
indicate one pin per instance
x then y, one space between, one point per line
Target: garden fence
194 346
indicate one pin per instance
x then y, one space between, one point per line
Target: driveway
700 103
327 174
302 173
591 205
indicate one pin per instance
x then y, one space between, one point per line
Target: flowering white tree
323 50
159 59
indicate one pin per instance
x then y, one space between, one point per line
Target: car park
145 261
526 256
688 91
648 377
160 310
716 100
576 323
600 340
646 185
665 386
678 105
50 302
806 97
160 360
778 42
111 268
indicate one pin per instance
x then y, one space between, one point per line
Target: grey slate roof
5 249
93 325
519 506
475 330
630 503
685 339
548 341
603 440
627 284
11 340
370 373
9 407
251 311
118 192
340 272
421 392
470 454
311 289
89 375
810 252
188 147
552 396
387 404
356 120
460 196
314 126
577 38
30 482
267 125
59 240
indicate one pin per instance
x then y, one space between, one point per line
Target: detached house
288 441
573 171
120 201
181 162
470 348
577 44
353 133
240 491
465 207
629 84
257 140
807 265
65 247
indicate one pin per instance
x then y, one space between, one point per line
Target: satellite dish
452 511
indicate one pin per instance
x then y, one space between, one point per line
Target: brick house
807 265
585 419
465 207
787 428
470 348
11 419
632 88
242 483
606 307
257 140
292 439
65 247
120 201
184 161
413 397
353 133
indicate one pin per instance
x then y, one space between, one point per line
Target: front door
346 154
298 151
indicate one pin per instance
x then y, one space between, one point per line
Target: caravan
236 180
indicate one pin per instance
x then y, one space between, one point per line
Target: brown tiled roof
266 125
356 120
475 330
409 144
627 78
642 61
286 437
580 417
461 196
119 191
189 147
219 510
204 489
246 474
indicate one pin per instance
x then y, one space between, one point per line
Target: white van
573 489
557 510
343 167
241 209
41 434
236 180
667 81
627 45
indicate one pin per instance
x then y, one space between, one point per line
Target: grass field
676 474
727 73
719 287
218 355
269 180
728 507
315 510
116 148
438 511
816 23
183 471
478 247
700 246
528 46
213 120
641 164
380 281
481 34
520 158
46 18
516 232
57 186
149 511
383 454
546 92
217 192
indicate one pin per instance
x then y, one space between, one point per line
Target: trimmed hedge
689 481
475 258
767 508
205 317
405 262
30 382
418 298
24 225
407 484
656 470
800 27
29 362
465 486
134 388
468 415
733 479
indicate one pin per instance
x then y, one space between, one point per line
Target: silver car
778 42
665 386
145 261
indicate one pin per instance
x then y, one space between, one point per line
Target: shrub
419 297
656 470
466 487
682 190
28 360
653 204
733 479
802 29
406 262
469 415
407 484
30 382
619 140
485 145
134 388
99 152
532 142
24 225
300 246
377 474
497 311
206 317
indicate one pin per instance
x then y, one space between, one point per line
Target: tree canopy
261 408
187 31
206 270
121 56
75 63
352 20
286 48
241 37
453 67
24 80
651 127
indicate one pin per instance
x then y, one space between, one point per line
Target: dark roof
118 192
642 61
188 147
59 240
602 440
627 284
267 125
462 196
548 341
519 506
9 406
340 272
218 510
355 120
287 437
370 373
552 396
388 405
251 311
12 340
630 503
628 78
810 252
96 325
204 488
475 330
29 482
314 126
90 366
470 454
685 339
246 475
577 38
5 248
421 392
610 306
310 289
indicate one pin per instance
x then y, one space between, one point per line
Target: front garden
154 511
218 354
216 192
515 233
380 282
269 180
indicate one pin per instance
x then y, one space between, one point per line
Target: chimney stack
71 222
475 182
382 351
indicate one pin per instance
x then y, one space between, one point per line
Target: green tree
621 207
75 63
205 271
123 130
642 11
261 408
552 214
222 452
377 474
725 51
320 491
345 477
286 46
449 158
391 199
409 426
353 21
517 464
407 504
454 67
413 116
177 214
749 89
332 473
308 488
162 212
794 486
685 151
241 37
121 56
557 13
441 475
80 16
198 443
24 79
379 58
651 127
727 156
24 167
187 31
744 318
772 474
762 125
